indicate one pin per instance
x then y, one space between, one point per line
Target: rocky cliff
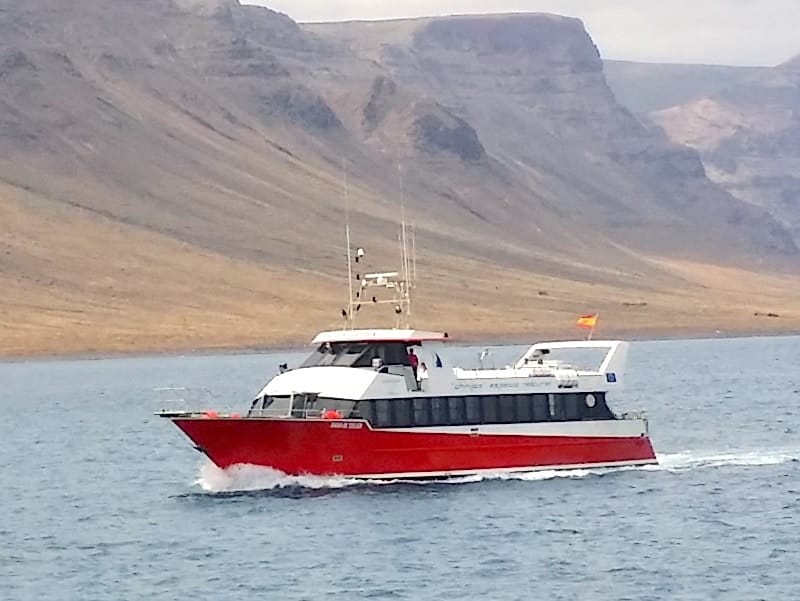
533 89
748 135
171 174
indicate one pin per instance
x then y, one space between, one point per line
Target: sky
726 32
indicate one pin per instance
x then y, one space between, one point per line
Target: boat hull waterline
352 448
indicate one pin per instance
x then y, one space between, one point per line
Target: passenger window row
490 409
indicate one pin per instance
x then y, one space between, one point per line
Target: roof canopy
408 336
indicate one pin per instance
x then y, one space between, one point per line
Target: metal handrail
293 413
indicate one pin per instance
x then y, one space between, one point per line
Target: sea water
102 500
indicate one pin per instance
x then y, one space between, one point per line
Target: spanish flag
587 321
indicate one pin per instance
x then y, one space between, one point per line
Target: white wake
690 460
244 478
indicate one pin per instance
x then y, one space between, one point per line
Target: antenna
413 256
404 243
349 316
400 283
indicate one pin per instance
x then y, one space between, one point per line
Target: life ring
331 414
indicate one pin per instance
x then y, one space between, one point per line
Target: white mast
413 256
349 317
404 238
400 282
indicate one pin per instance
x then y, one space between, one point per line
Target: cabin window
278 405
556 407
402 410
383 413
541 408
570 405
490 412
466 410
317 405
524 404
507 406
458 410
303 404
422 412
358 354
344 354
473 404
440 414
365 410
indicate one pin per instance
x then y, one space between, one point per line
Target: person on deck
413 361
422 375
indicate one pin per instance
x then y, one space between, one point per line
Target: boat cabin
371 375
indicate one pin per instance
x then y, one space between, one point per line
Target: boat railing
294 413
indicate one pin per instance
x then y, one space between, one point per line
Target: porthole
590 401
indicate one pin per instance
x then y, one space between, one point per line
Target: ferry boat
391 403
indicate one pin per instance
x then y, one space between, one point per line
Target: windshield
343 354
358 354
300 405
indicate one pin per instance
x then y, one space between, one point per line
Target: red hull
353 448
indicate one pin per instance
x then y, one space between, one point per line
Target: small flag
587 321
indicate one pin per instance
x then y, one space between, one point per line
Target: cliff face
748 135
647 87
215 134
533 89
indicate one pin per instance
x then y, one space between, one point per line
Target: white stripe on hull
608 428
502 470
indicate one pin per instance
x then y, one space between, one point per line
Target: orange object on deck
331 414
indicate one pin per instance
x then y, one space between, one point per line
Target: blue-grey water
102 500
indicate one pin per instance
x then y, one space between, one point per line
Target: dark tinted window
524 404
541 410
439 411
402 412
365 410
556 403
458 410
490 410
422 412
473 409
383 413
571 409
508 409
394 353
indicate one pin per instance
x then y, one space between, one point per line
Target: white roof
378 336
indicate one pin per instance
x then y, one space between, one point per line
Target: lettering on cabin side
347 425
501 385
504 385
469 386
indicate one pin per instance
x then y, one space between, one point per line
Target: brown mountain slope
170 176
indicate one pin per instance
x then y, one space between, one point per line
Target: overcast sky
736 32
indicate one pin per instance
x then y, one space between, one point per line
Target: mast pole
349 318
406 284
413 255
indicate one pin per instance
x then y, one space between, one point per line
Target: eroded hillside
172 177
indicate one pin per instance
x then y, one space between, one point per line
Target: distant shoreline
299 347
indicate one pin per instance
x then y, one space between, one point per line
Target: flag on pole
587 321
